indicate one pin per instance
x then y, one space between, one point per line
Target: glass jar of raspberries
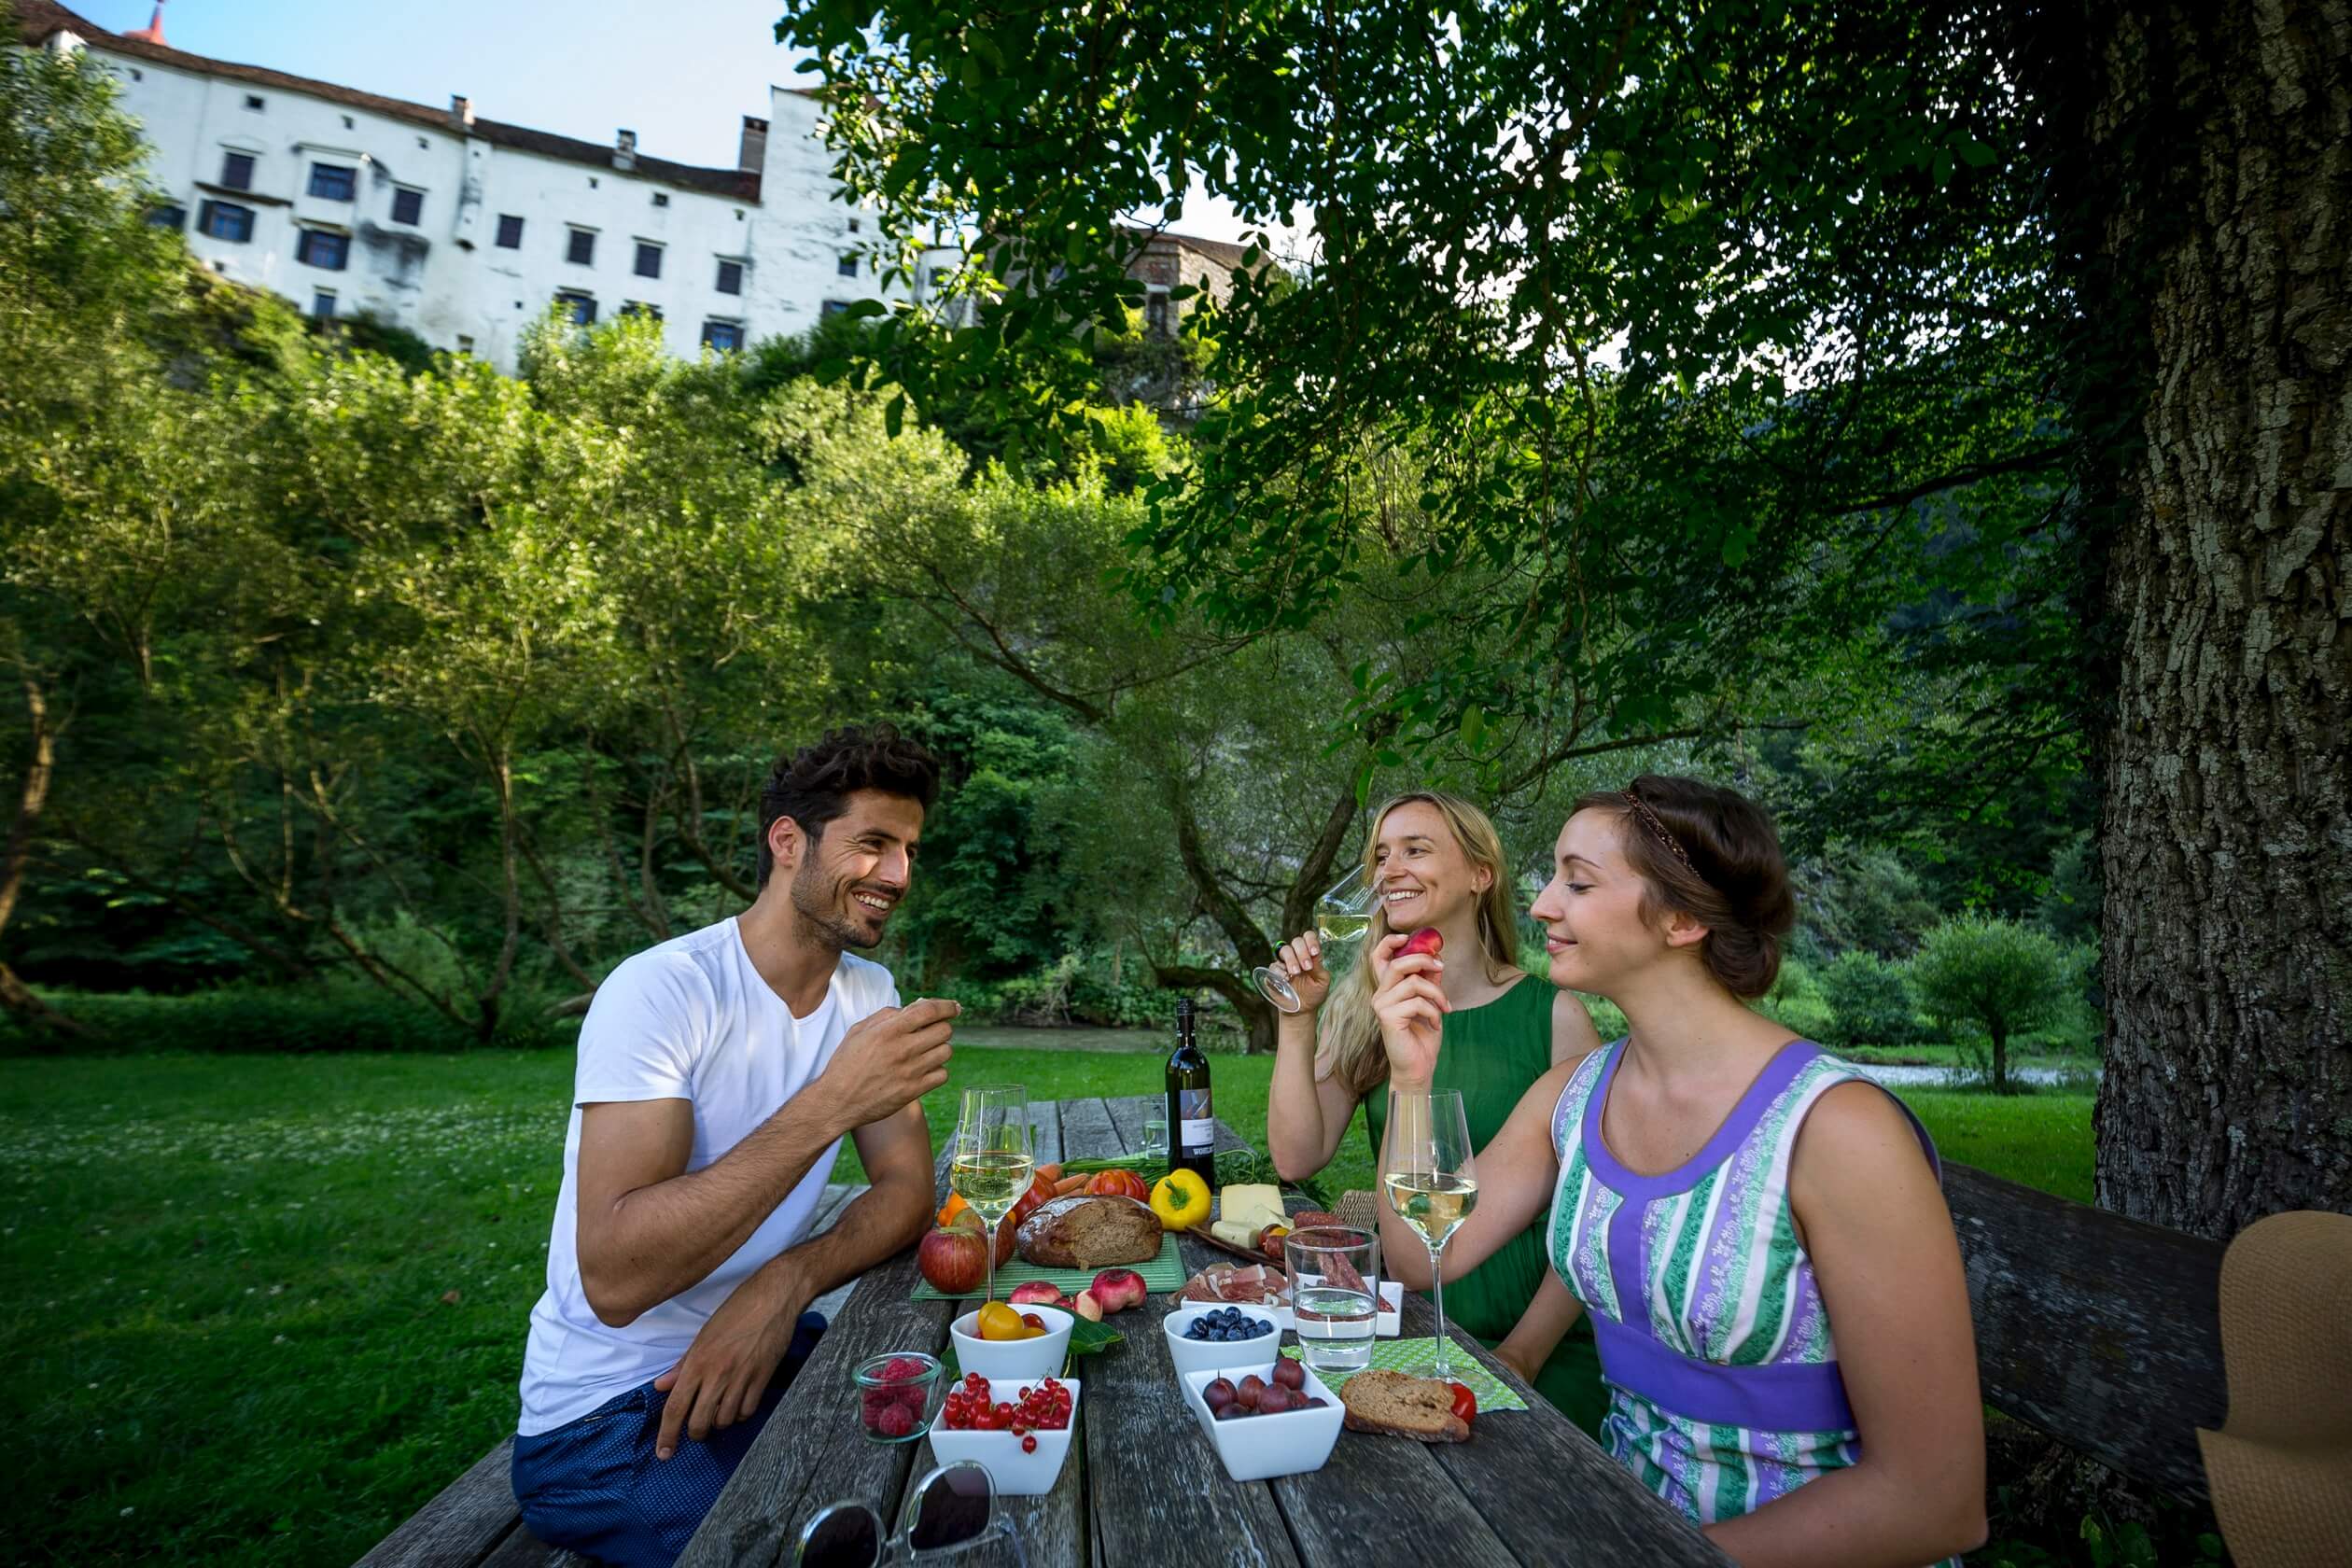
894 1394
973 1407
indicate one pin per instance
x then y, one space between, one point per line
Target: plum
1426 940
1290 1374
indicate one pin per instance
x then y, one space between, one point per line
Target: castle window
334 182
226 220
730 277
580 249
510 231
407 206
724 336
324 249
649 260
236 170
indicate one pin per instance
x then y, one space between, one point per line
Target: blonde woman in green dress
1436 859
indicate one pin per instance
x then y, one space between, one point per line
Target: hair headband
1656 827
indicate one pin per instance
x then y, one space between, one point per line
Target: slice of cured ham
1254 1284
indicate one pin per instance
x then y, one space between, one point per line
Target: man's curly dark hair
812 785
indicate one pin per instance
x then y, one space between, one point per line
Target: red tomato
1120 1183
1465 1404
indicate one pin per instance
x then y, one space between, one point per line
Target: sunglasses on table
950 1509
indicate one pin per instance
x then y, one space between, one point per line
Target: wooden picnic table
1142 1483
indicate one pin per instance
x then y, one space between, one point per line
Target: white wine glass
1430 1184
1342 915
993 1159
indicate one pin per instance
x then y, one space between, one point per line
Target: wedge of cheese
1239 1233
1257 1204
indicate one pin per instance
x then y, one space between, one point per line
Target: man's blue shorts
595 1487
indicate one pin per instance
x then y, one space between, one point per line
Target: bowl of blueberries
1203 1334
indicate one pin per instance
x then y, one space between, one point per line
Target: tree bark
2208 222
31 799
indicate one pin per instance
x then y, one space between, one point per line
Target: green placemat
1161 1275
1412 1355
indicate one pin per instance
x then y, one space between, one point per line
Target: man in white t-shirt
718 1074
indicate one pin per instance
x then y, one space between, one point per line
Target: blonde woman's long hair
1349 1047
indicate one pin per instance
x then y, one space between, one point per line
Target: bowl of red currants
896 1394
1018 1431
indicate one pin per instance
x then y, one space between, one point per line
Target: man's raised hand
891 1059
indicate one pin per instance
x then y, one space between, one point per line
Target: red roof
38 20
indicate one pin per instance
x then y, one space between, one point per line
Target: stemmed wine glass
993 1158
1430 1182
1342 915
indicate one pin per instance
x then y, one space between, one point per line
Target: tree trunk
2210 214
2000 1060
31 801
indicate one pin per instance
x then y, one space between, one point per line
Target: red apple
965 1219
1425 940
953 1258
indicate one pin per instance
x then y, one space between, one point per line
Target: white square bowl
1014 1472
1199 1355
1259 1447
1016 1360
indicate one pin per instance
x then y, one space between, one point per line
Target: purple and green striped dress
1724 1391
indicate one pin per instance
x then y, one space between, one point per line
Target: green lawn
259 1308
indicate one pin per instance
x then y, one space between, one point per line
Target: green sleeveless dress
1491 1055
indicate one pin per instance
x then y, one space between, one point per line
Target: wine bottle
1192 1125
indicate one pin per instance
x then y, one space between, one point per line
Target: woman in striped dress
1755 1229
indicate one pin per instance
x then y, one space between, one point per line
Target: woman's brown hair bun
1711 854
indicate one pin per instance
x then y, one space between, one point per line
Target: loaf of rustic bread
1392 1402
1090 1231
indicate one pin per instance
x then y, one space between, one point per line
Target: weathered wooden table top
1142 1485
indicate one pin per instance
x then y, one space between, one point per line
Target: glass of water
1335 1274
1154 1138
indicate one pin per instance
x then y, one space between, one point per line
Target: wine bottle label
1197 1123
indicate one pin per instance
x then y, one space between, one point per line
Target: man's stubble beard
823 920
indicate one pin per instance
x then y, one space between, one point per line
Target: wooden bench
473 1521
2102 1332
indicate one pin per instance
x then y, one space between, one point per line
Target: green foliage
1999 976
1870 998
369 333
1796 1001
1862 896
1670 357
275 1020
2070 910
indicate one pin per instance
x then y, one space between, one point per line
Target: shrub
249 1019
1872 1001
1796 1002
1994 976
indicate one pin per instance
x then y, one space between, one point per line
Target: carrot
1069 1184
1050 1170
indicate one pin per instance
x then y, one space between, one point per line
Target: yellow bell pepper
1181 1201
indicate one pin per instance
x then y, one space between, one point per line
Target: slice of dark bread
1407 1406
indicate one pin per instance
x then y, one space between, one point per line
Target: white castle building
462 229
